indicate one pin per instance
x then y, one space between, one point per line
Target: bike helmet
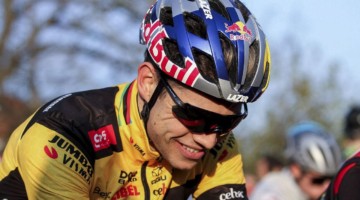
314 149
352 123
213 46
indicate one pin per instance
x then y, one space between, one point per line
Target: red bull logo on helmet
238 31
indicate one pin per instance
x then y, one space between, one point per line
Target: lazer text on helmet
237 98
206 8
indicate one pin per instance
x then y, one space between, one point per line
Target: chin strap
145 113
148 105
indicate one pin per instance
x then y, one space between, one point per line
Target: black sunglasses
320 180
203 121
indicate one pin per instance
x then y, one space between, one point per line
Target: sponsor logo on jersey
72 157
232 194
137 147
158 179
103 195
125 177
156 172
51 152
230 142
160 191
126 191
103 137
223 155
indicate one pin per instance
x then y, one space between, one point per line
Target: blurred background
48 48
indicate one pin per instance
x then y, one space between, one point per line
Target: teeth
190 149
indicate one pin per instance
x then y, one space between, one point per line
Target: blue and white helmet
313 148
213 46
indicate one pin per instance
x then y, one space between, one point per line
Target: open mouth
190 149
190 153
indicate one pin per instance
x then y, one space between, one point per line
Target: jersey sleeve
51 166
223 177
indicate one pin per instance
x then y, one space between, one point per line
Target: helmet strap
145 113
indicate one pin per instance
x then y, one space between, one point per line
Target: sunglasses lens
203 121
320 180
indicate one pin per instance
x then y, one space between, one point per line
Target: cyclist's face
313 184
176 143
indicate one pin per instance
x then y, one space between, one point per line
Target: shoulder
281 178
78 108
85 101
80 117
285 187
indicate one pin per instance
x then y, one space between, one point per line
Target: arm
51 166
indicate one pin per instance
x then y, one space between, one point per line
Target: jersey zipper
144 181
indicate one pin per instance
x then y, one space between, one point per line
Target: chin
183 165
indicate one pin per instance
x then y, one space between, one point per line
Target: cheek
161 121
162 124
167 127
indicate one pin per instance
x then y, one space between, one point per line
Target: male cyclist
352 131
167 134
344 185
313 158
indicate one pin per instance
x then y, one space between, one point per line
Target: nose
207 140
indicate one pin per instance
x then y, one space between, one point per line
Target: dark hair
352 123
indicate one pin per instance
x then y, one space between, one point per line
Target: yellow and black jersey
93 145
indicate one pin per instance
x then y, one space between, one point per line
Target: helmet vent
244 11
325 157
252 65
166 16
310 155
230 58
333 161
219 8
195 25
147 18
266 76
172 51
205 65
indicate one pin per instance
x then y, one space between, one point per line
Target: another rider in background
345 185
352 131
313 157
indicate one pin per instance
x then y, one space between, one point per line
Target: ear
147 80
295 170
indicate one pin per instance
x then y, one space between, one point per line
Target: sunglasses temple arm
172 93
